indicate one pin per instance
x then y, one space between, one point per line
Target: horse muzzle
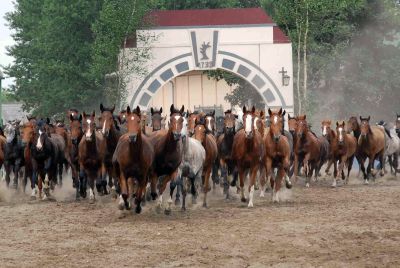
177 135
229 130
299 135
74 141
276 138
132 137
341 142
106 133
248 135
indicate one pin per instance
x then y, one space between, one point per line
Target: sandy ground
350 226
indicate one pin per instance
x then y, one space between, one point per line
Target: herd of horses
121 155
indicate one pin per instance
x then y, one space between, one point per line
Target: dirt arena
350 226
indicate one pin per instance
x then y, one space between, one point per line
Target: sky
5 38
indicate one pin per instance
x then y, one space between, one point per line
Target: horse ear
151 110
244 109
94 114
182 109
369 117
305 117
113 108
101 107
80 118
253 110
280 111
161 110
84 114
261 114
71 117
213 113
269 112
361 118
138 109
337 123
284 112
128 109
48 121
172 109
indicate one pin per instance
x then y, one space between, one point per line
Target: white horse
392 148
191 167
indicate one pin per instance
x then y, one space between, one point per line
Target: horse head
89 126
229 122
156 118
365 126
352 124
302 126
10 132
106 120
276 127
210 121
176 121
326 127
41 134
248 122
292 123
133 123
75 128
72 112
28 133
122 117
200 130
340 132
192 117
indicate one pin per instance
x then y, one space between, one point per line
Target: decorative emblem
203 50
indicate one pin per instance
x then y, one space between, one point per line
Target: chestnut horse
224 144
343 149
168 155
277 153
247 152
111 136
210 146
27 136
354 126
307 149
371 144
192 117
92 150
132 161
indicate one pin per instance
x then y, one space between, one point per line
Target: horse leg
206 185
296 168
215 178
382 162
252 182
307 169
268 173
341 166
7 167
153 186
60 172
369 167
278 184
91 182
163 185
172 186
242 175
124 191
17 168
131 192
328 167
139 194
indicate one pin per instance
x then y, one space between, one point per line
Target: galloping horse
111 136
45 151
354 126
210 145
92 151
192 118
191 168
343 149
307 149
13 154
75 137
28 134
132 161
392 149
247 152
224 144
277 154
168 155
371 144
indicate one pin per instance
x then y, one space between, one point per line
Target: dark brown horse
168 155
27 134
307 149
111 136
192 118
92 151
156 119
75 137
210 146
247 152
277 154
132 161
371 144
224 144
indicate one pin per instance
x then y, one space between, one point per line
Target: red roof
206 17
279 36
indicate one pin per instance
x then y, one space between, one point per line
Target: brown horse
224 144
192 118
277 154
75 137
210 146
168 155
111 136
371 144
27 135
156 119
132 161
307 150
248 150
92 150
343 149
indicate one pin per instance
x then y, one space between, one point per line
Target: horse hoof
128 206
289 185
366 182
153 196
243 199
158 209
194 200
262 194
250 205
307 185
205 205
91 201
177 202
183 209
167 211
121 206
33 198
138 209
